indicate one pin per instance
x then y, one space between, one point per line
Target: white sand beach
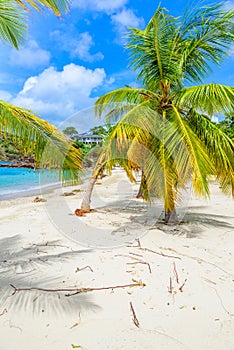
183 296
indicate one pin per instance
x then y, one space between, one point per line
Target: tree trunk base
140 195
82 212
171 218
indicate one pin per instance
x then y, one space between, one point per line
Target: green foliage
14 15
9 149
227 125
13 23
70 130
99 130
165 127
32 135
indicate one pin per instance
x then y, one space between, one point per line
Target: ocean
18 182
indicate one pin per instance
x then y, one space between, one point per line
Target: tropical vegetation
164 126
32 135
27 132
227 125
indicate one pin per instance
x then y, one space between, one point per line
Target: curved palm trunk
142 188
170 207
85 205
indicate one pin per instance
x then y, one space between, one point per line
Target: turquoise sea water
16 182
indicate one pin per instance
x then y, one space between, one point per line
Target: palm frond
13 23
57 6
219 147
200 161
121 98
206 33
49 146
208 98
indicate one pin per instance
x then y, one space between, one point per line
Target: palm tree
169 117
13 17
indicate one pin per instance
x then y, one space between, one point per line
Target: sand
188 271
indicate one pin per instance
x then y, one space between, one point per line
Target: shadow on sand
148 217
37 266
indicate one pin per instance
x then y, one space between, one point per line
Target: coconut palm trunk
170 208
143 187
85 205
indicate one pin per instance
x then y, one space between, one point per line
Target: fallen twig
135 319
3 312
47 244
176 273
162 254
40 251
221 302
182 285
141 262
136 254
75 290
200 260
135 246
77 323
128 256
83 268
209 281
170 289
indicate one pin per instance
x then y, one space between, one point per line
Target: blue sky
66 63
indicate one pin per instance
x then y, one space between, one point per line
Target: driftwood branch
75 290
135 319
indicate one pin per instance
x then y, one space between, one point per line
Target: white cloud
30 56
121 16
79 47
4 95
83 46
56 95
124 19
127 18
107 6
